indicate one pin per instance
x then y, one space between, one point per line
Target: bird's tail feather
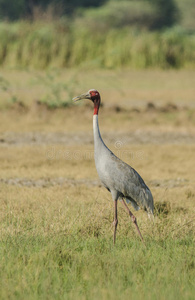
133 203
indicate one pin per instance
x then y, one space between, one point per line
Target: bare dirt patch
47 182
138 137
62 181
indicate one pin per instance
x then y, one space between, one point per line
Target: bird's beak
81 97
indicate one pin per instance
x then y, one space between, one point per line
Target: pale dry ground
46 156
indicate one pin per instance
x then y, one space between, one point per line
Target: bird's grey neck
98 142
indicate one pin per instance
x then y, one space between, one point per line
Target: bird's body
118 177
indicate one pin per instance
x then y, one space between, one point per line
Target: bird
120 179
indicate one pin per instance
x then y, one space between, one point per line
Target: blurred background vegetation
97 33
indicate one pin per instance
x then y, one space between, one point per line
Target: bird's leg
133 218
115 223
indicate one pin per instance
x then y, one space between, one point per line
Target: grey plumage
118 177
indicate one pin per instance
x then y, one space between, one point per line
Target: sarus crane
120 179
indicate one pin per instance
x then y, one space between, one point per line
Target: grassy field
56 218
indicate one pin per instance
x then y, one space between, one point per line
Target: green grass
56 45
65 268
58 246
88 267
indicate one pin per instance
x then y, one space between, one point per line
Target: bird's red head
92 95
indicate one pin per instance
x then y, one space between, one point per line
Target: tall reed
42 45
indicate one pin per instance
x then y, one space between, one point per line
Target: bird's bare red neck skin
96 105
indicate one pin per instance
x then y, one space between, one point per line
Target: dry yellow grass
60 183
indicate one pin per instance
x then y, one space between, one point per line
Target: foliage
187 12
166 13
42 45
117 14
54 97
14 10
150 14
5 87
